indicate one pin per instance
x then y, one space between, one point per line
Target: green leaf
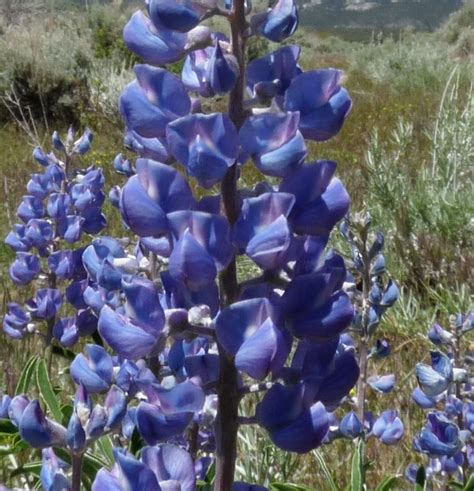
33 468
26 374
66 411
387 484
420 479
91 464
455 485
357 473
65 353
106 448
47 392
280 486
203 486
327 474
7 427
211 473
470 484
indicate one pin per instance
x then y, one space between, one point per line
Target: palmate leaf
26 375
46 390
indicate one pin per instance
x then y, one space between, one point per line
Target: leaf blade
46 391
26 375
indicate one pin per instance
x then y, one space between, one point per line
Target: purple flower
155 99
280 22
292 424
39 431
195 72
323 104
328 370
58 205
17 240
30 207
424 401
4 405
42 158
156 190
202 247
66 332
25 268
274 142
440 437
178 15
95 371
436 378
320 199
388 428
172 466
84 143
249 331
262 230
15 322
147 148
207 145
168 412
52 472
350 426
437 335
383 383
156 44
135 334
222 71
46 303
39 233
272 74
316 308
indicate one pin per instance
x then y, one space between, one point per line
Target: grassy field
405 154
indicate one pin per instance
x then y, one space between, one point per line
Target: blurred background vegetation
405 154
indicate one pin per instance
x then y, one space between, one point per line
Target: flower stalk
227 424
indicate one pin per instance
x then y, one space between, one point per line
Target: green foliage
46 390
470 484
458 23
107 41
279 486
257 47
387 484
207 484
26 375
420 480
331 485
357 469
46 72
425 207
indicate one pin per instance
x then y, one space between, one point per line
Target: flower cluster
184 339
445 388
63 203
372 294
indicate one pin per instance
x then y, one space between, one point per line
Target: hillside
376 14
